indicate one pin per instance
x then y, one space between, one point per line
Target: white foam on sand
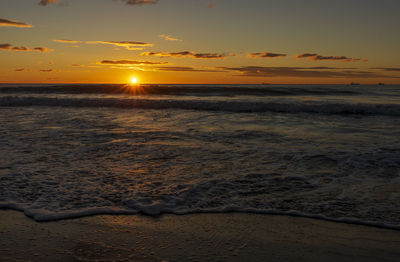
159 209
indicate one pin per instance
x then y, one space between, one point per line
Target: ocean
321 151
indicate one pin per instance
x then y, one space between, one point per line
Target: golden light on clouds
12 23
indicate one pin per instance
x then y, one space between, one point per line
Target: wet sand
198 237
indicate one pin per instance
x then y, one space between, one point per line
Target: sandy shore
200 237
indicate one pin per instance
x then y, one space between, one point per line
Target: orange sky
202 41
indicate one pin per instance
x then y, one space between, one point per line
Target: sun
134 80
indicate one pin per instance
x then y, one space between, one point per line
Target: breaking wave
204 105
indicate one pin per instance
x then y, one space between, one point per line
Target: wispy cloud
128 2
258 71
139 2
130 62
46 70
9 47
19 69
185 69
317 57
46 2
43 49
12 23
169 38
129 45
388 69
66 41
266 55
187 54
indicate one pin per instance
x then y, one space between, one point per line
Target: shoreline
195 237
105 211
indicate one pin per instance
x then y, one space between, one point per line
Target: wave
46 216
209 90
204 105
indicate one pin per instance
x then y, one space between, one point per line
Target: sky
200 41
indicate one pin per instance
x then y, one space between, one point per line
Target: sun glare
134 80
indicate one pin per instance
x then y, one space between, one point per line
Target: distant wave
225 106
209 90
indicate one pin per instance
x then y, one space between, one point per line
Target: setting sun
134 80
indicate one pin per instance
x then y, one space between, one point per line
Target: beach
199 173
197 237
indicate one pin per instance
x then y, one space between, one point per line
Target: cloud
185 69
9 47
66 41
317 57
389 69
11 23
130 62
46 70
266 55
46 2
188 54
258 71
13 48
19 69
128 2
169 38
129 45
140 2
43 49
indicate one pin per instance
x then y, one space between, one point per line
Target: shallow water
321 151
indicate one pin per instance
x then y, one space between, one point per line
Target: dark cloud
11 23
185 69
130 62
317 57
257 71
23 48
266 55
140 2
326 68
5 46
19 48
188 54
129 45
46 2
13 48
46 70
128 2
43 49
19 69
388 69
306 55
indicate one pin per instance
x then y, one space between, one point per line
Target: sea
321 151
